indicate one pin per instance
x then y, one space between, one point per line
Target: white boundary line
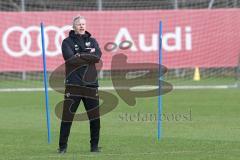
136 88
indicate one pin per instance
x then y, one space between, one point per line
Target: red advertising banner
203 38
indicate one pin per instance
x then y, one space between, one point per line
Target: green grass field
31 83
197 124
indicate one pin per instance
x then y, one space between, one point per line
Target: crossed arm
92 55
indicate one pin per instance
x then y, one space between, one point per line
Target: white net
200 38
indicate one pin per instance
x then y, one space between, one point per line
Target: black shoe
62 150
96 149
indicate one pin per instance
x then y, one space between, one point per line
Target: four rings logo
17 46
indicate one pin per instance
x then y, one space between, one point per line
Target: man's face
80 26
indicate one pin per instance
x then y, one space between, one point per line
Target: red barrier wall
203 38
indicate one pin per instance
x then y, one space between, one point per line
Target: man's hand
78 55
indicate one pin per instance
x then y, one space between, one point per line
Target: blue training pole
45 83
159 83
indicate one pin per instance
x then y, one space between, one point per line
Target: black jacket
80 70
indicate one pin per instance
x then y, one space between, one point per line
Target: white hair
77 18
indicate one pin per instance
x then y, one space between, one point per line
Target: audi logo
26 40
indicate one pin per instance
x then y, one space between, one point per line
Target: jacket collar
73 34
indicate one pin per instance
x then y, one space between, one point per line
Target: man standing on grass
80 48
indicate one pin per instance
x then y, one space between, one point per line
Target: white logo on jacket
87 44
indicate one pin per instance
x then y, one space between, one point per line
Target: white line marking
110 88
